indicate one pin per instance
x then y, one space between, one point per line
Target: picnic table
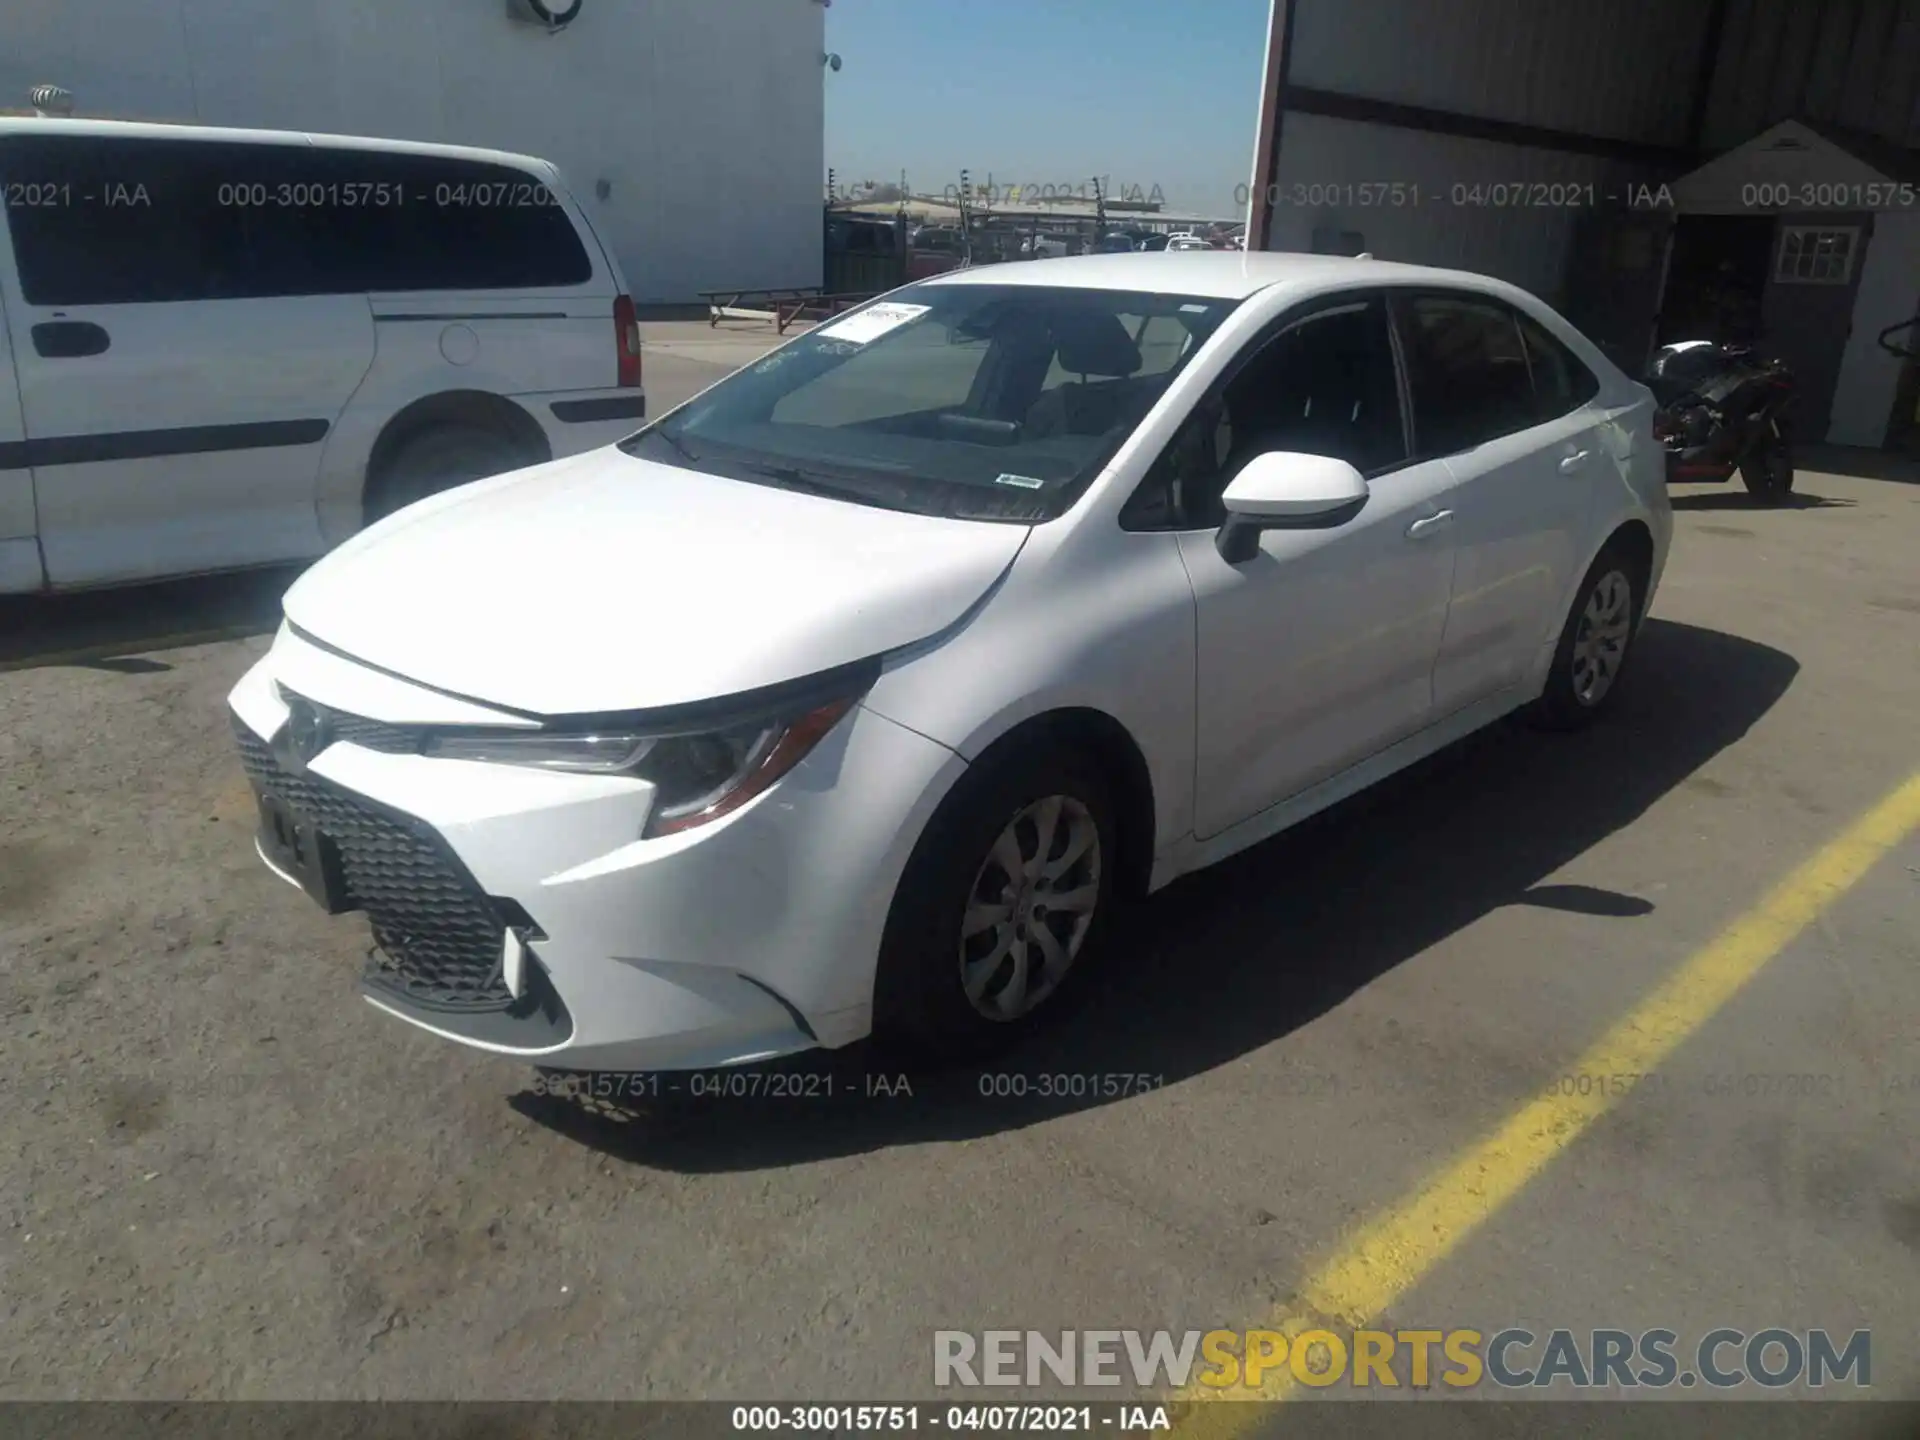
782 306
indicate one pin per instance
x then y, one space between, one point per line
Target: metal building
1654 168
692 131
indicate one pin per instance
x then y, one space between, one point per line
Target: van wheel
1002 907
436 460
1595 643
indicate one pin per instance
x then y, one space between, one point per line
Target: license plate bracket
301 849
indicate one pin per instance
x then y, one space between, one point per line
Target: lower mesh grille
437 934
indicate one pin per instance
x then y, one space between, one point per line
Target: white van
223 348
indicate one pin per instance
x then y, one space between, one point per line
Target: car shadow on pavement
1738 499
109 629
1236 957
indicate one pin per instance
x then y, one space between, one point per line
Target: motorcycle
1721 411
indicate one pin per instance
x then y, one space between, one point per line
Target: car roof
164 130
1221 274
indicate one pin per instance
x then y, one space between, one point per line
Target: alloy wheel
1600 639
1030 906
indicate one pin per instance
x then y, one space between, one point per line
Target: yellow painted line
1393 1252
132 647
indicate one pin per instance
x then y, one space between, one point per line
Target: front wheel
1594 644
1003 903
1768 472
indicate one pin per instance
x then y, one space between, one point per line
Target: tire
1595 643
1768 472
941 994
439 459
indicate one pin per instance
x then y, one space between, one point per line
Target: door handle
1574 463
69 339
1419 529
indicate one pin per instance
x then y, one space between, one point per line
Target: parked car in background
226 348
858 693
1187 242
947 239
862 235
1153 241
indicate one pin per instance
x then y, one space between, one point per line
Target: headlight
696 777
580 754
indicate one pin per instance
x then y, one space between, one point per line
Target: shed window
1816 255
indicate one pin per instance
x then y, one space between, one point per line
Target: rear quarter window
1561 383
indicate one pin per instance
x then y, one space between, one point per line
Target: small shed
1808 237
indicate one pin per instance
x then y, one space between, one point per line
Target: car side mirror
1285 490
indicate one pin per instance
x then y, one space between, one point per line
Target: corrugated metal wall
1848 62
1618 68
1558 76
1621 70
1329 169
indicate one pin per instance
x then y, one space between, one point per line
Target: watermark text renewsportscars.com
1515 1358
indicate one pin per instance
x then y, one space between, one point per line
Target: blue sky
1039 92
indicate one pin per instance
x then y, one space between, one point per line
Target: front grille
372 734
437 935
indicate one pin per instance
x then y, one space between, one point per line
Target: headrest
1092 342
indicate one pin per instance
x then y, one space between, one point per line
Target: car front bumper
748 938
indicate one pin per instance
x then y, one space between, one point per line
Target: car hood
605 582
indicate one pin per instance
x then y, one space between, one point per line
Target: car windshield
987 402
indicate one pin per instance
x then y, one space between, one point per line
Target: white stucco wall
705 117
1889 293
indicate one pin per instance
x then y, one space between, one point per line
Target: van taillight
626 340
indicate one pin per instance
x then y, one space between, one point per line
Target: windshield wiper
811 482
794 478
679 445
633 443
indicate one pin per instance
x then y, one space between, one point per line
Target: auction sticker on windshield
873 322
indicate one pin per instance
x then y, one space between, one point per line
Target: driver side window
1324 385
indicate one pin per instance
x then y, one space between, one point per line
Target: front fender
1110 632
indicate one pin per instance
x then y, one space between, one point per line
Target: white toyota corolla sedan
855 694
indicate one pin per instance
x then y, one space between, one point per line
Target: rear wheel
1595 642
439 459
1002 905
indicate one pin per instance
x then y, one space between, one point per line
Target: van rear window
123 221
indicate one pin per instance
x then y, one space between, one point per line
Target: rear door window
1468 370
